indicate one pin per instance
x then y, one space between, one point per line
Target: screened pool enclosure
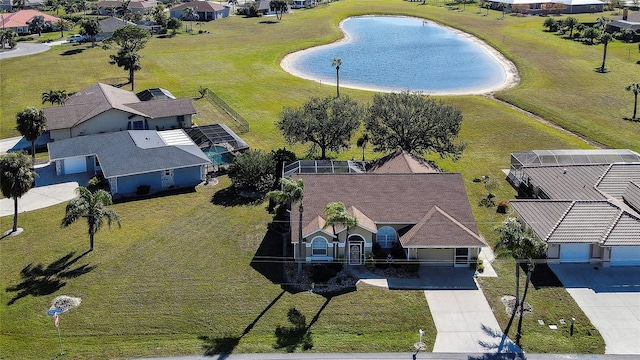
218 142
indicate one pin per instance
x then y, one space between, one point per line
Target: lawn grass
178 274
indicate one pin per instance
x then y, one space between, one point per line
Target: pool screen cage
217 141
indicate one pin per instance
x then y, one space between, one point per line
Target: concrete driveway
610 297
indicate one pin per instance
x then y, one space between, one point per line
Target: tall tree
159 15
55 97
16 178
63 25
415 123
279 7
190 14
337 62
327 123
522 244
605 39
93 207
570 23
362 142
31 123
8 37
129 39
337 215
253 171
635 89
291 192
37 24
174 24
91 28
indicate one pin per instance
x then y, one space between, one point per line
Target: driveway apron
610 297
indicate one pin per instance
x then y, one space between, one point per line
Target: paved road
23 49
610 297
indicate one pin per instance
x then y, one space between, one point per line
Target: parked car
77 38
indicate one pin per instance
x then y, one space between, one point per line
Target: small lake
389 53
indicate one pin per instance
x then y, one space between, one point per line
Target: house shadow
542 276
229 197
72 52
270 257
41 280
615 279
159 194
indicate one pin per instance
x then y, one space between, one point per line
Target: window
138 125
319 246
386 237
180 118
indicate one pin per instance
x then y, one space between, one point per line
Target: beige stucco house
102 108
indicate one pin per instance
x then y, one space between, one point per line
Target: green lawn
178 277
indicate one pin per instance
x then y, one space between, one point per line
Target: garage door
625 255
75 165
576 253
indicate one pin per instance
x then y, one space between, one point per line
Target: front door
355 253
462 257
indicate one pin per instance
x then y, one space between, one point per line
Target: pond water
389 53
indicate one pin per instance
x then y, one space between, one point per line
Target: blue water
219 155
388 53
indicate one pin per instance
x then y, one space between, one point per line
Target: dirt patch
510 301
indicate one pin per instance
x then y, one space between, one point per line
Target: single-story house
206 10
128 160
103 108
628 20
300 4
109 25
427 215
19 21
587 213
111 7
536 7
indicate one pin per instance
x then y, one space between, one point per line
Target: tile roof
401 161
615 180
626 231
99 98
129 152
396 199
584 222
575 182
541 215
631 196
23 17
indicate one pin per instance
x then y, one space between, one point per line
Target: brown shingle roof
393 199
431 228
401 162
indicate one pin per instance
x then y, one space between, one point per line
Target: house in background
585 204
129 160
628 20
113 7
19 21
109 25
425 215
301 4
102 108
542 7
206 10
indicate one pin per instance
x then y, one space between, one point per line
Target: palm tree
31 123
61 24
292 192
337 62
362 142
16 178
37 24
570 23
91 28
91 206
49 96
635 89
190 14
337 214
605 38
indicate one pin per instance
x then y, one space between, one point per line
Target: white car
77 38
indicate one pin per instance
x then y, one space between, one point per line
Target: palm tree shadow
41 280
225 345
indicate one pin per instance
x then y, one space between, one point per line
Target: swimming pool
219 155
392 53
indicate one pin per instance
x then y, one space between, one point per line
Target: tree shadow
600 70
229 197
297 335
503 346
38 280
224 346
72 52
631 119
269 22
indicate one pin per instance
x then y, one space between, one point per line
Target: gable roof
567 182
132 152
429 232
631 196
396 199
111 24
401 161
99 98
201 6
541 215
23 17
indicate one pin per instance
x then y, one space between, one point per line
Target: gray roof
594 222
111 24
568 182
99 98
129 152
631 196
616 179
541 215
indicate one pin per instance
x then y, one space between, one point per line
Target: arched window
386 237
319 246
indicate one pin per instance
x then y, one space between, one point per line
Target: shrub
143 189
254 171
502 207
370 263
413 267
320 273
